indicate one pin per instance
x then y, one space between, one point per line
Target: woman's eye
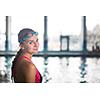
30 42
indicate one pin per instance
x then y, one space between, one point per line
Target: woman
23 70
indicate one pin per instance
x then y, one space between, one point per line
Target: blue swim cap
25 34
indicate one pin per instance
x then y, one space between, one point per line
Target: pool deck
56 54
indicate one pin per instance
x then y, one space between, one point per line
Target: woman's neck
27 55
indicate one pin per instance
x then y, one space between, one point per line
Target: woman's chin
35 52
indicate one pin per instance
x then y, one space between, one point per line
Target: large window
19 22
2 32
62 25
93 27
92 22
57 25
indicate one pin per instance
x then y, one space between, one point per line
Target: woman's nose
35 44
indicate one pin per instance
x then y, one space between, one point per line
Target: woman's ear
21 46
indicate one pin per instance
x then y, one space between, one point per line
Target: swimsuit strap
25 58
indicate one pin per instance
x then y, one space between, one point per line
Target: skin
25 70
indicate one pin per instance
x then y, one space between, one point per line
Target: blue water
59 70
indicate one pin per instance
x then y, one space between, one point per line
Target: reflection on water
83 70
69 70
5 72
59 70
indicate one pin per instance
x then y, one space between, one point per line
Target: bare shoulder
29 71
28 66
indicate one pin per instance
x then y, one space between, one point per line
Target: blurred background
69 47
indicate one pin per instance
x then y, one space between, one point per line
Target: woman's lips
35 49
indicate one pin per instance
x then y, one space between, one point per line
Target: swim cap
25 34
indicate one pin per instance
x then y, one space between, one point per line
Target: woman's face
31 45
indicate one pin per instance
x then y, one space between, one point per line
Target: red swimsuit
38 77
